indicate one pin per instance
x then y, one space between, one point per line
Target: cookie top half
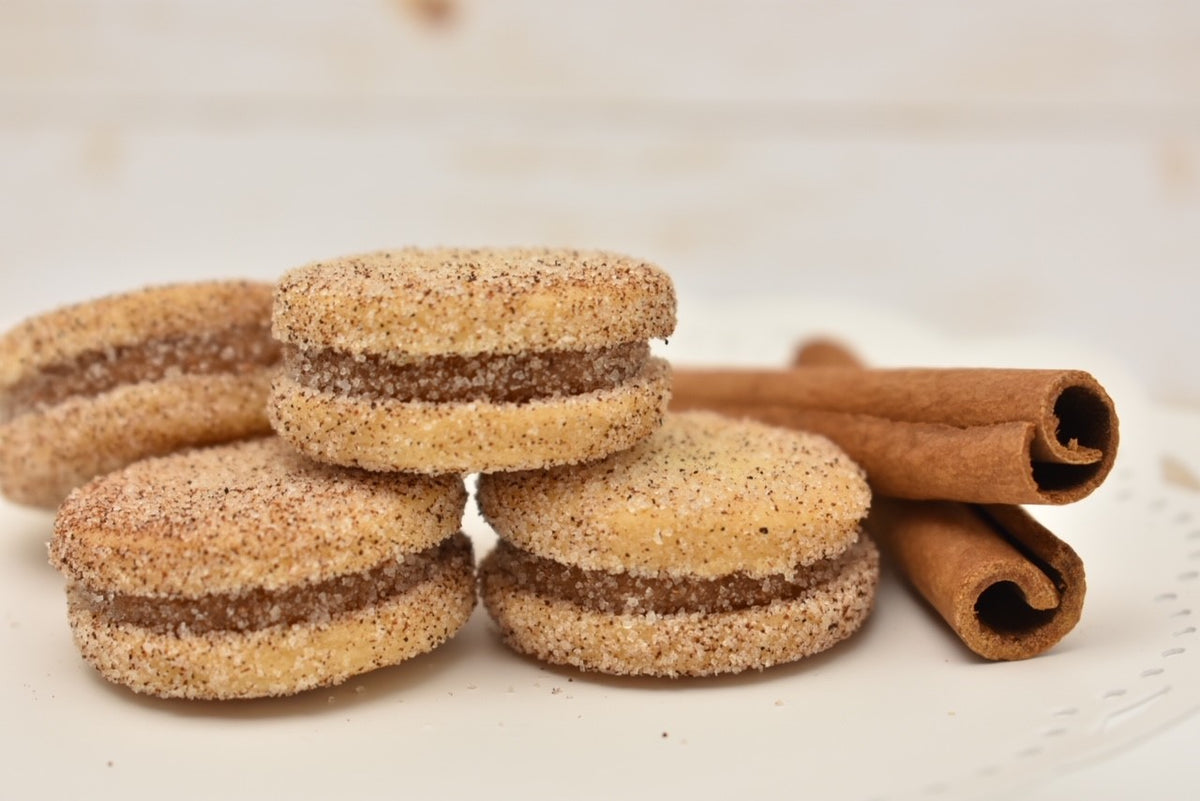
244 516
461 301
56 340
706 496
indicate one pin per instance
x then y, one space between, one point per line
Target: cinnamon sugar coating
244 515
453 360
89 388
46 454
501 300
280 659
256 608
561 631
245 570
602 591
433 438
704 496
238 351
129 319
714 546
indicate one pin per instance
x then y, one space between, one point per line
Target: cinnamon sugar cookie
715 546
245 570
92 387
464 361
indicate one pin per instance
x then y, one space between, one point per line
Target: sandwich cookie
713 547
440 361
89 388
246 570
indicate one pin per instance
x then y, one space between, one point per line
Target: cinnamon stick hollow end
978 435
1034 436
1076 438
1006 585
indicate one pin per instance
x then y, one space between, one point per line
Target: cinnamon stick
979 435
1007 586
1004 583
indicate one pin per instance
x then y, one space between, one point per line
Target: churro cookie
713 547
92 387
471 360
246 570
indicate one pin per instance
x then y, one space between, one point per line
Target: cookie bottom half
689 643
469 437
280 660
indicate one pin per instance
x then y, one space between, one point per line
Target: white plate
900 711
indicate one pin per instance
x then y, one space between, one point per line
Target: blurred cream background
989 168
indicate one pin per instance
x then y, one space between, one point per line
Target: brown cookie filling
495 378
236 350
622 593
259 609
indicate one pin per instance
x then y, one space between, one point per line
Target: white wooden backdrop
995 167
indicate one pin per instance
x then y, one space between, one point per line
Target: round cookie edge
612 515
559 632
46 454
129 318
192 666
470 437
585 299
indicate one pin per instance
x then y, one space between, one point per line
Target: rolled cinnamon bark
979 435
1007 586
1004 583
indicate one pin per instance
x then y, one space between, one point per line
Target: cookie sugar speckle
714 546
245 570
89 388
449 360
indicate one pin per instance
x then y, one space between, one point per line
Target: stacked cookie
461 361
714 546
90 388
631 541
246 570
259 568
